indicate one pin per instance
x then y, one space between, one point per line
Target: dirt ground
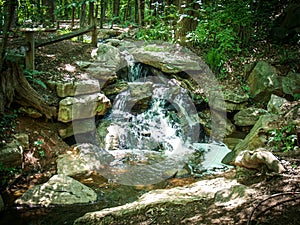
39 163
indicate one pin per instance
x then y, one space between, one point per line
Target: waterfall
161 135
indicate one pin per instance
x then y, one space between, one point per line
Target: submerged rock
82 159
60 189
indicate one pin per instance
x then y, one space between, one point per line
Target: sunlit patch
70 68
50 56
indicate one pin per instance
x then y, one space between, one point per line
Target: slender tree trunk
139 12
102 13
82 19
187 23
91 12
127 9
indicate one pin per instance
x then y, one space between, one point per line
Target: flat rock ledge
225 193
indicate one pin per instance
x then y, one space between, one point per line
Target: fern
29 74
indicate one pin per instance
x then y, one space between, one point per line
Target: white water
162 138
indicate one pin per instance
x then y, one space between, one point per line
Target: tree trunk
187 23
91 12
102 13
82 19
127 9
139 12
50 7
9 12
15 88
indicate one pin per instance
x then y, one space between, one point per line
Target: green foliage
30 76
38 144
6 173
221 32
161 26
283 139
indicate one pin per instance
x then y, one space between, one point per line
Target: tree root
14 87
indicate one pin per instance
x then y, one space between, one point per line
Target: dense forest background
220 28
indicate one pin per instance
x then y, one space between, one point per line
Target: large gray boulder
60 189
259 159
82 107
248 116
264 81
224 193
169 58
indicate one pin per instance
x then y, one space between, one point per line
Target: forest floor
56 60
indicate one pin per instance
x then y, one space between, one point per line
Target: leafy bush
221 32
283 139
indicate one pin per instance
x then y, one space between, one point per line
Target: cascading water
154 128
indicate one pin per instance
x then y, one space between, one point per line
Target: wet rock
258 134
231 142
78 127
60 189
111 91
82 107
259 159
275 104
82 87
205 190
264 81
248 116
291 84
82 159
140 90
11 154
